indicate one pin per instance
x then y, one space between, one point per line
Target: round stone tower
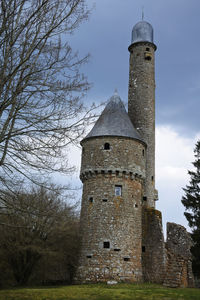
112 172
141 104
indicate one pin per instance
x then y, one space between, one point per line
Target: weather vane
142 13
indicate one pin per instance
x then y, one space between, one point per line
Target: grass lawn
101 292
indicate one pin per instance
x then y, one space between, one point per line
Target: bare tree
43 232
40 87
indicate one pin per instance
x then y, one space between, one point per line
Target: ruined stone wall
153 246
178 266
110 218
141 105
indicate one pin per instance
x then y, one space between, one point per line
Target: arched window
106 146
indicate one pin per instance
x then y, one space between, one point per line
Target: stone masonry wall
141 105
153 246
110 218
125 155
178 267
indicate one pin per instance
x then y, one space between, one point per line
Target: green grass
101 292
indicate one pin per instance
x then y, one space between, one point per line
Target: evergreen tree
191 201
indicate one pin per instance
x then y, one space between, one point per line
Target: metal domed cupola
142 32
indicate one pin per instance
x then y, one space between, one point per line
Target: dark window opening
104 200
143 249
106 245
152 178
117 173
136 205
106 146
148 57
91 199
126 258
117 249
143 152
89 256
118 190
144 198
147 49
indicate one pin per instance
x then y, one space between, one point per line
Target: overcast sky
107 35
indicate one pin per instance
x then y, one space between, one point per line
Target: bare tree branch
41 88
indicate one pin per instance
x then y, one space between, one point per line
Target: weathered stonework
106 217
121 231
141 106
178 264
125 155
153 246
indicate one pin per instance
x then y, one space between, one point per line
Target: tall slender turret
141 98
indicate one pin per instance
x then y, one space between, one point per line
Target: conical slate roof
114 121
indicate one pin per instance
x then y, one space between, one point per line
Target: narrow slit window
143 152
91 199
143 249
117 249
89 256
106 245
118 190
104 200
106 146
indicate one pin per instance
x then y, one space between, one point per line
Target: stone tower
112 172
121 231
141 98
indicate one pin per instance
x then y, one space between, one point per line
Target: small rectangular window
126 258
106 245
143 249
91 199
118 190
104 200
144 198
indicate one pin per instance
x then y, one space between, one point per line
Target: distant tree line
39 239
